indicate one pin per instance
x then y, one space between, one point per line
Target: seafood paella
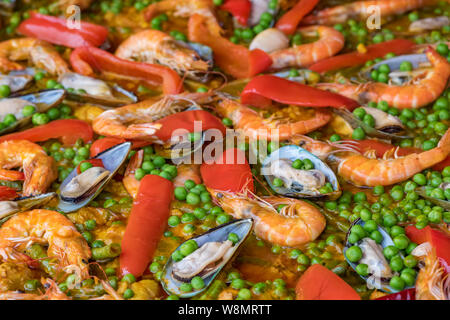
224 150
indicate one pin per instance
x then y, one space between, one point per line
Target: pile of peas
154 164
393 253
355 33
432 181
246 35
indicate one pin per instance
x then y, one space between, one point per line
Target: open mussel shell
387 126
42 100
112 159
16 82
9 208
379 283
440 202
241 228
181 148
95 91
292 153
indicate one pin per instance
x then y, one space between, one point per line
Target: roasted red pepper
352 59
240 9
289 21
234 59
85 60
186 120
261 90
319 283
229 172
437 238
68 130
146 224
11 175
94 162
55 30
103 144
7 193
408 294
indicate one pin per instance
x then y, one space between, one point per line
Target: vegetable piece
85 59
437 238
68 130
103 144
229 172
289 21
261 90
7 193
379 50
107 252
240 9
234 59
319 283
146 224
55 30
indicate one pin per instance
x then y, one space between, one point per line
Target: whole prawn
50 228
329 43
153 46
39 168
425 89
255 126
296 223
433 282
39 53
362 10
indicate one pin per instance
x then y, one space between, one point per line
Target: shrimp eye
84 261
219 195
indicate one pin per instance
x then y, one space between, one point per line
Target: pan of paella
224 150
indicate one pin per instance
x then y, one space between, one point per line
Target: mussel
426 24
92 90
302 182
379 271
386 125
8 208
78 189
214 250
427 194
41 101
15 82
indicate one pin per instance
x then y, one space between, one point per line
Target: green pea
420 179
410 261
90 224
192 198
28 111
233 237
376 236
189 184
406 66
5 91
227 121
109 203
354 253
396 231
237 284
197 283
358 134
390 251
401 241
397 283
362 269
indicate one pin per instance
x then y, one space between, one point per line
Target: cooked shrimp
432 282
279 127
129 181
298 222
427 87
364 171
39 168
185 8
50 228
329 43
153 46
361 10
187 172
39 53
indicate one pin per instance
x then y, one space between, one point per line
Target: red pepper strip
240 9
187 120
438 240
408 294
229 172
94 162
234 59
55 30
68 130
146 224
103 144
289 21
379 50
319 283
11 175
85 59
7 193
261 90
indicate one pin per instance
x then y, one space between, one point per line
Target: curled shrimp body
298 222
39 53
426 88
186 8
256 126
329 43
187 172
362 10
153 46
39 168
50 228
363 171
